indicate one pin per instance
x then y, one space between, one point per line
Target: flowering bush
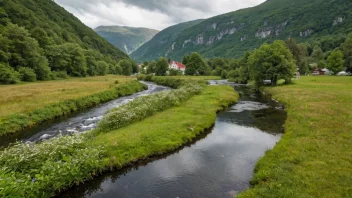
143 107
37 170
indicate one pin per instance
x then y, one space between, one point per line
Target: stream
219 164
77 122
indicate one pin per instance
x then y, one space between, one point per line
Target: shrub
8 75
143 107
27 74
38 170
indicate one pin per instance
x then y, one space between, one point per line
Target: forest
39 40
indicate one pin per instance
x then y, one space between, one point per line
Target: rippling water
219 164
77 122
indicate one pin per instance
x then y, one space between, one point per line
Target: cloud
157 14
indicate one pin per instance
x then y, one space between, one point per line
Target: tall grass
146 106
19 121
41 169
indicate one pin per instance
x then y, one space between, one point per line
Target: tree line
278 60
41 41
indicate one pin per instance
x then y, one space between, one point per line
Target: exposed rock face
211 40
199 39
214 26
232 30
276 30
337 21
263 34
185 42
306 33
244 37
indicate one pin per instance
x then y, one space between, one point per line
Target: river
218 164
76 122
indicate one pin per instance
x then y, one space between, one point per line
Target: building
177 66
318 72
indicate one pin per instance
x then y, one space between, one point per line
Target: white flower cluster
143 107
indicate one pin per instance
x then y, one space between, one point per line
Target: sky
155 14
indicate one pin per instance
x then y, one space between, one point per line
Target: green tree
8 75
347 46
335 61
27 74
77 65
134 67
42 69
161 67
126 66
317 54
195 65
175 72
151 67
272 62
224 74
41 36
348 64
102 68
185 59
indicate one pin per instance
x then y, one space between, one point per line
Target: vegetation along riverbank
41 170
28 104
314 157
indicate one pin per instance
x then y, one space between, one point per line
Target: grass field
314 157
23 98
26 105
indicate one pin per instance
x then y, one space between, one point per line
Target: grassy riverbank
314 157
43 169
168 130
28 104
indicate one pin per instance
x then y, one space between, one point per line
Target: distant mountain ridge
231 34
127 39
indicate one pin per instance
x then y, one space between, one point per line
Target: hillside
42 41
127 39
229 35
162 42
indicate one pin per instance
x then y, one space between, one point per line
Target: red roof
179 65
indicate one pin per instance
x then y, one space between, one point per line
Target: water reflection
219 165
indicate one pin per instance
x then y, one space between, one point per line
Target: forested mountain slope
40 40
127 39
229 35
162 42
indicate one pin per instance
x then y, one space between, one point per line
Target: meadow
25 97
314 156
26 105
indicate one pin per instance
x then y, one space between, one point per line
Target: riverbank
29 104
49 167
314 156
166 131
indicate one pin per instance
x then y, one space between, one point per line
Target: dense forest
230 35
40 40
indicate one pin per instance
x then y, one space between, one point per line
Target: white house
177 66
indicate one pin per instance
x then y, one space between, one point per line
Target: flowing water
77 122
218 164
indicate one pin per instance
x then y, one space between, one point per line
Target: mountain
231 34
161 43
43 40
127 39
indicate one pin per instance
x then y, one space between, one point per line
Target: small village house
177 66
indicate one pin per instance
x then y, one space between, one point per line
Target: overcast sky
156 14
